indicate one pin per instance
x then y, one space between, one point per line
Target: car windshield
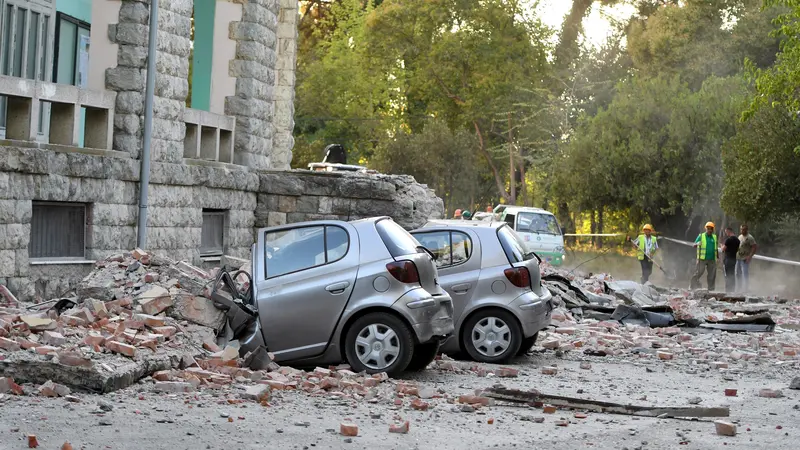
398 241
513 245
529 222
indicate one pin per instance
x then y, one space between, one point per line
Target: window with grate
212 238
58 231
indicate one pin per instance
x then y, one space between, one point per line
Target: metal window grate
212 236
58 230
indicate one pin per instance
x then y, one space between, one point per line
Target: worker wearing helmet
646 245
457 214
707 251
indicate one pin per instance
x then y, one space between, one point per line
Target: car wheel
527 344
424 354
379 342
491 336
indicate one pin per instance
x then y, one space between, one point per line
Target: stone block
199 310
14 236
131 102
132 56
15 212
7 263
308 204
125 79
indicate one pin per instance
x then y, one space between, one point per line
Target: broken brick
549 409
138 254
150 321
211 346
73 321
370 382
770 393
259 393
32 441
348 429
66 446
550 370
586 365
400 428
475 400
580 416
73 359
53 338
419 405
664 356
93 339
119 347
730 392
8 344
166 331
26 344
155 300
506 372
719 365
563 330
45 349
725 428
163 375
50 389
8 386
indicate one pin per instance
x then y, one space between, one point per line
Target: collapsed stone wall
107 182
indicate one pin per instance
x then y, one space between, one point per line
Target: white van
538 228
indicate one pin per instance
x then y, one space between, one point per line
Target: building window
212 238
71 59
24 46
58 231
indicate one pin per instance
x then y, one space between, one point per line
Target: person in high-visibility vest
646 246
707 252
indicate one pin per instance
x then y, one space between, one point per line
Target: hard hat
710 224
466 214
647 227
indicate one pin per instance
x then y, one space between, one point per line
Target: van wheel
527 344
424 354
491 336
379 342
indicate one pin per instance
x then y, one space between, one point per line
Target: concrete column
282 141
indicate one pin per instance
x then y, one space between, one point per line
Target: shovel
670 277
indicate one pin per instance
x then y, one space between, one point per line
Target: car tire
424 354
527 344
371 327
509 337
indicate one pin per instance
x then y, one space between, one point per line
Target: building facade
72 95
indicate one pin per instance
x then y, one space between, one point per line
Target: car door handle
337 288
461 288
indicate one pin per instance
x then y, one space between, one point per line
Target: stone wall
282 140
107 181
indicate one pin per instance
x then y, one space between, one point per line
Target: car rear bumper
533 311
431 316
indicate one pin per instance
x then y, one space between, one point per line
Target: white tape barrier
690 244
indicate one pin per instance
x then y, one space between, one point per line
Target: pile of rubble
599 316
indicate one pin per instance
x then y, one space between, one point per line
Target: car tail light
404 271
519 277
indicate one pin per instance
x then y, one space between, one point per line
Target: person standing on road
747 248
707 250
730 248
646 246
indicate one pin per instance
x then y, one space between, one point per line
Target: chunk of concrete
199 310
154 300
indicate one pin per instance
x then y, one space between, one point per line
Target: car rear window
398 241
513 245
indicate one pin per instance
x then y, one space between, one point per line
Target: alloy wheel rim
491 337
377 346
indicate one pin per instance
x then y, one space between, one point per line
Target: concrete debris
725 428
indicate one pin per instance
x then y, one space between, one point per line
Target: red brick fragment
348 429
32 441
730 392
8 386
419 405
119 347
8 344
400 428
549 370
506 372
474 400
549 409
725 428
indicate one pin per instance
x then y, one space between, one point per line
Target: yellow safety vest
642 243
701 249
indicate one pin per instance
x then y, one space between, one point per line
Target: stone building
72 95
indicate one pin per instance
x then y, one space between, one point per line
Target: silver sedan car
499 301
365 292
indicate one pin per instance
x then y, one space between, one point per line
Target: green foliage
777 85
761 167
655 148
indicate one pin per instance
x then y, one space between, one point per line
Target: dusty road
142 419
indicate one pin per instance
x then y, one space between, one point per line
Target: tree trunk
600 227
593 227
524 187
567 49
511 166
498 180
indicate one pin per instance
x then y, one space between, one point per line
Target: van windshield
530 222
513 245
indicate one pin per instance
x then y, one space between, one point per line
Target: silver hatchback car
499 301
365 292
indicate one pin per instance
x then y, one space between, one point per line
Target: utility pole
144 176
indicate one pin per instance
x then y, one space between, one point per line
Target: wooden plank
517 396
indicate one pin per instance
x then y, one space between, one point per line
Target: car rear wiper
422 247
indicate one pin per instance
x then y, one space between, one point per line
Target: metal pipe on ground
144 176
